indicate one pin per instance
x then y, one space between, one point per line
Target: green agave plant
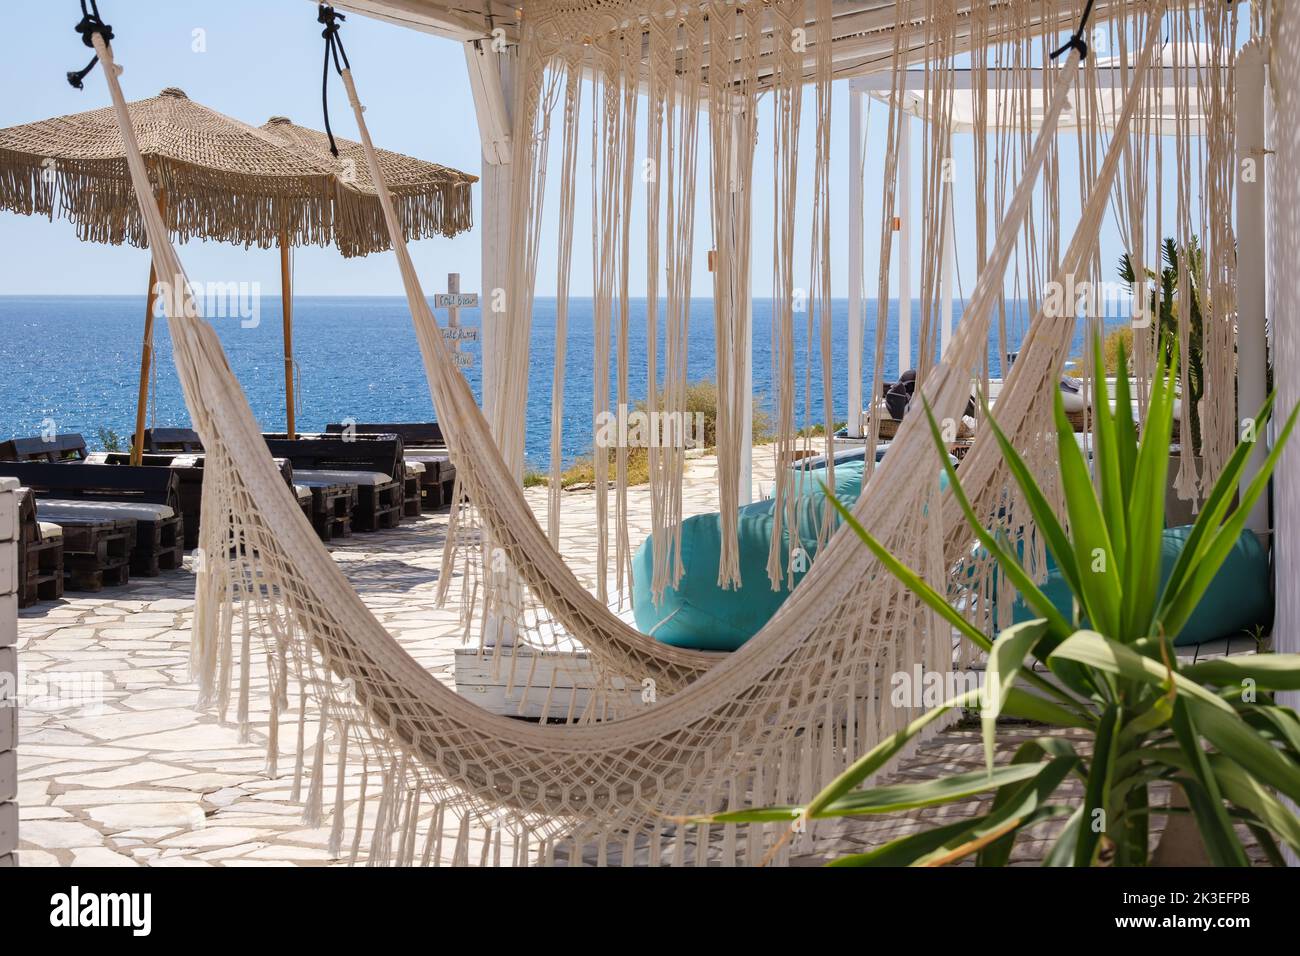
1210 729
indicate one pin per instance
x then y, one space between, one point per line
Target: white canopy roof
1174 105
863 29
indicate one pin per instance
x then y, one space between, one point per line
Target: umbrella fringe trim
202 204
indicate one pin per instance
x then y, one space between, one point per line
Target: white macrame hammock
765 724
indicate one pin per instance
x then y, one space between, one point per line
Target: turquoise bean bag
701 615
1238 599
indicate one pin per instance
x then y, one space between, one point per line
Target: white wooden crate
523 682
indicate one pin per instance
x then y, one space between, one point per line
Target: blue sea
74 360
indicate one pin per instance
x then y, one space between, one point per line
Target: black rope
333 50
90 24
1076 41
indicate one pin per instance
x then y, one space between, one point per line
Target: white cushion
1073 401
302 491
427 457
312 476
414 468
79 509
50 531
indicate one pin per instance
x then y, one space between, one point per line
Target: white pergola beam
484 66
863 30
1108 77
461 21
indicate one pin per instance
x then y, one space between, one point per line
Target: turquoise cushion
1237 600
697 612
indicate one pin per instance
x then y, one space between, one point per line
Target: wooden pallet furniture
70 446
328 501
331 504
412 434
422 443
97 553
84 493
372 464
188 468
306 502
438 483
412 495
40 554
179 441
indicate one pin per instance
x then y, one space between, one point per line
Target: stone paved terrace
147 779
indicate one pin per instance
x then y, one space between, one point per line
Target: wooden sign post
453 300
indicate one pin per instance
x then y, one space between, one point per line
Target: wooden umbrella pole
146 350
146 360
286 307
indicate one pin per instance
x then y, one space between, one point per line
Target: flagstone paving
140 776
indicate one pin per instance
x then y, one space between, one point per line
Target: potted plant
1210 730
1164 303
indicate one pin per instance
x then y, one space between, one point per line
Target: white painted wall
8 670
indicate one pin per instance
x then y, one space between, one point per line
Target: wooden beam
462 20
146 349
286 308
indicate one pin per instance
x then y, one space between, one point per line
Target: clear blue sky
263 57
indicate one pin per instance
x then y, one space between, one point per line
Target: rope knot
330 17
90 24
1076 41
333 49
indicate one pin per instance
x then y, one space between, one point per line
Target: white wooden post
904 204
492 81
491 75
1252 347
1283 79
9 533
855 262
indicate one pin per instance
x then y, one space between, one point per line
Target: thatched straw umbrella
430 200
218 178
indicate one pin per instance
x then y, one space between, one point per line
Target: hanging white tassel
460 855
296 793
336 830
431 835
245 666
314 810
